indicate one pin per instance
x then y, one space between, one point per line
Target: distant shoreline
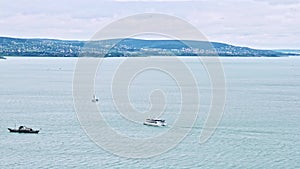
8 57
128 48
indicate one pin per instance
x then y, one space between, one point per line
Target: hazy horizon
272 25
140 38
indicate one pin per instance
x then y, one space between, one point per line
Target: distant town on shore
128 48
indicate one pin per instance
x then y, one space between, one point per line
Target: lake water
260 127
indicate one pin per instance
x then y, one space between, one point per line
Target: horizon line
149 39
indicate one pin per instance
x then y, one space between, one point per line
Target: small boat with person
155 122
23 129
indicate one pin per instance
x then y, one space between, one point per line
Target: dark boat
23 129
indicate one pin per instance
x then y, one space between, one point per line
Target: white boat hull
155 124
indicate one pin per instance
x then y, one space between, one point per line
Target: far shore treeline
125 48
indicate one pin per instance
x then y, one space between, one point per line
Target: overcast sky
268 24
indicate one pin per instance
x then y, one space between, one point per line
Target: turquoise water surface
260 127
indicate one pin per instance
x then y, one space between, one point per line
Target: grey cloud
247 22
279 2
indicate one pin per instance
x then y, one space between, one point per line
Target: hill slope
125 47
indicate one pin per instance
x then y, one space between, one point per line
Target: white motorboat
155 122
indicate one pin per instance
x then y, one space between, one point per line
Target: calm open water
260 127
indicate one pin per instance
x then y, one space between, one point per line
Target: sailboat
95 99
